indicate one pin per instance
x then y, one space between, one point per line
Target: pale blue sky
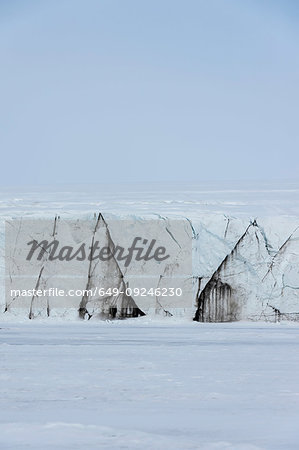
156 90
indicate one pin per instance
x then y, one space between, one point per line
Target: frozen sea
146 384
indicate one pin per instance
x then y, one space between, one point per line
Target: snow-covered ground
142 384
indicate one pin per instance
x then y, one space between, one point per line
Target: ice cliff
244 266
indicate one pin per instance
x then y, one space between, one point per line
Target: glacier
245 248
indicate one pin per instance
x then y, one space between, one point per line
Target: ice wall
241 270
245 249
